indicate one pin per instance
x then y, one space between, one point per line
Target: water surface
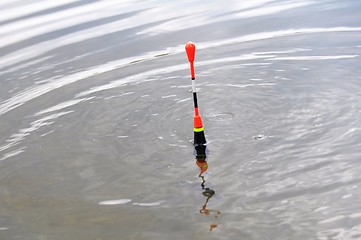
96 119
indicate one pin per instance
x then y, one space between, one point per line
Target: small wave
16 138
219 117
122 136
306 58
62 105
115 202
332 219
12 153
169 96
151 204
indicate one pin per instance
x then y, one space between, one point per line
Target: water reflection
201 161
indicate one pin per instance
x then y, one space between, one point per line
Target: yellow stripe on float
199 129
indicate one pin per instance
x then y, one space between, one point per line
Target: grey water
96 119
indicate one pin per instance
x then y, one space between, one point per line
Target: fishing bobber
199 137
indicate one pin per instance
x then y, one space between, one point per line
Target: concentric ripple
96 119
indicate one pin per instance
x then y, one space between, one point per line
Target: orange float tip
191 50
198 122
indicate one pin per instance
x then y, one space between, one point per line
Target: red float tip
191 50
198 122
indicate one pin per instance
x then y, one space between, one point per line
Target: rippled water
96 119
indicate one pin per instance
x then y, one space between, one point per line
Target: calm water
96 119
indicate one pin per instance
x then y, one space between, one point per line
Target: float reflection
201 162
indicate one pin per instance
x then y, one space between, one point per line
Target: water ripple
282 128
16 138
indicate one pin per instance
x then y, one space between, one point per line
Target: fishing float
199 136
200 143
